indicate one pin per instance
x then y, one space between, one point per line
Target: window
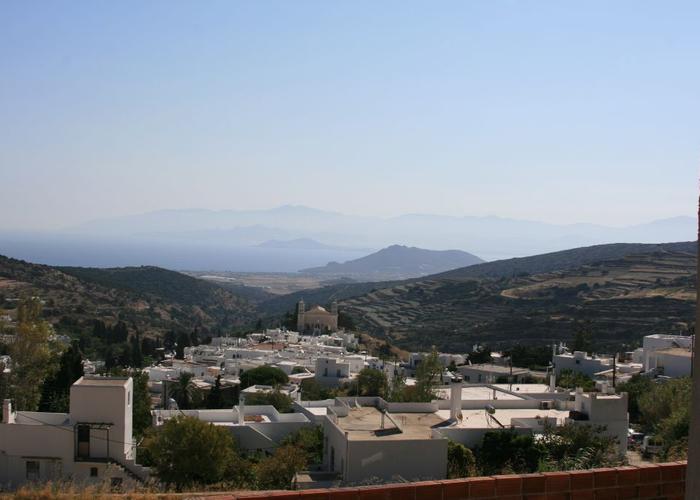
128 398
93 471
32 470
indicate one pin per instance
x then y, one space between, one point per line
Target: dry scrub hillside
617 300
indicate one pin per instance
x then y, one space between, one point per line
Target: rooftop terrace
366 423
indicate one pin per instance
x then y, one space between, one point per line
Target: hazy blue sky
551 110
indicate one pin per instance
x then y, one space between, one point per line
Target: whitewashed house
93 442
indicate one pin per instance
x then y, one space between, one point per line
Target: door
83 441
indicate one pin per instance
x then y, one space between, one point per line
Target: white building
367 438
332 372
91 443
445 359
255 428
489 373
580 362
668 355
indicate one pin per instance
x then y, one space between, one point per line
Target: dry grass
65 490
70 490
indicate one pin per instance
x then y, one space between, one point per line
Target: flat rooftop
365 424
478 419
480 393
524 388
493 368
102 381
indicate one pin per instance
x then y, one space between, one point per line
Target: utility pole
614 369
692 477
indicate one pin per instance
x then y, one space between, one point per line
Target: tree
583 340
397 387
481 355
56 388
310 440
214 398
278 470
141 409
31 355
534 357
313 391
183 391
263 375
665 412
576 446
460 461
183 340
428 375
570 379
384 351
188 452
345 321
136 353
371 382
506 451
280 401
119 333
635 388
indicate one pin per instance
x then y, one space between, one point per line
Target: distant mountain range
289 238
395 263
302 244
489 237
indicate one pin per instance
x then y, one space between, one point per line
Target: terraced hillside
149 299
617 300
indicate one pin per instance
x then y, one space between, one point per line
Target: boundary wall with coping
664 481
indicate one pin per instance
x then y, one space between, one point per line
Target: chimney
456 401
7 416
552 382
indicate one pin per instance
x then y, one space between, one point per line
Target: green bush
263 375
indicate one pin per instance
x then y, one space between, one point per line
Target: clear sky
548 110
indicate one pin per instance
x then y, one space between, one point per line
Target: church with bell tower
317 319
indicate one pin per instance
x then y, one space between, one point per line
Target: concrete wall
673 364
470 438
408 459
334 448
53 448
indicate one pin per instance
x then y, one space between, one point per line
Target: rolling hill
397 262
618 301
618 292
149 299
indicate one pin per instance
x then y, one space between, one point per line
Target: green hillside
616 300
148 299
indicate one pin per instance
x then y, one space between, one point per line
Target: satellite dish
490 409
